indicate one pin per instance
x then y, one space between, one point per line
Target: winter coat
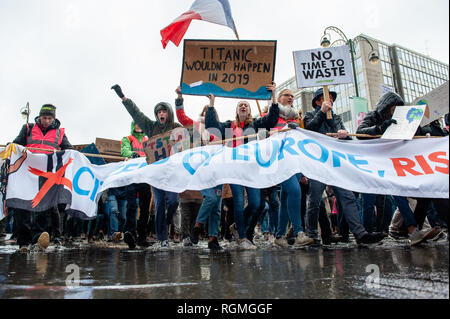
372 121
434 129
317 121
200 131
267 122
148 126
126 147
26 130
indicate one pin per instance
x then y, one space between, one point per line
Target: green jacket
150 127
125 147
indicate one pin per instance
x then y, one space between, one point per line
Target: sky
70 52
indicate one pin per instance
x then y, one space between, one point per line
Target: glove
384 126
135 155
293 125
118 90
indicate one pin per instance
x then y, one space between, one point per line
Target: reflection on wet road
420 272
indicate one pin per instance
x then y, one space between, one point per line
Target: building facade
406 72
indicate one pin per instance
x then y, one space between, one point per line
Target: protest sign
328 66
323 67
437 101
166 144
408 120
359 110
235 69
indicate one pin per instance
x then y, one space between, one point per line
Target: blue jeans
211 209
164 200
405 211
290 206
254 201
117 212
348 202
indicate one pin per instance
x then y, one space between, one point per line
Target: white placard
437 101
408 120
319 67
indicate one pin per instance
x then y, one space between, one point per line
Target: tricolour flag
214 11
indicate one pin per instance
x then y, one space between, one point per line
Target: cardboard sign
108 147
437 101
234 69
318 67
166 144
408 120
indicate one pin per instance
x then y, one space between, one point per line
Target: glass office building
406 72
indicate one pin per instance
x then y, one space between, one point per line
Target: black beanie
48 109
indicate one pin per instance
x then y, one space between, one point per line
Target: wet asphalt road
343 271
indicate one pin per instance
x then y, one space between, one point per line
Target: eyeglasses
288 95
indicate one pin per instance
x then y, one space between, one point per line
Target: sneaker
24 249
397 235
187 242
438 234
177 238
418 236
164 243
196 234
214 245
234 232
281 242
247 245
43 240
303 240
369 239
128 238
116 237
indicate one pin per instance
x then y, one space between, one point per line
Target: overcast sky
69 53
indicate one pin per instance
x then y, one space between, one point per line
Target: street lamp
25 111
343 40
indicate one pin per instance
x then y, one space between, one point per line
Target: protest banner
166 144
234 69
417 168
408 120
437 101
323 67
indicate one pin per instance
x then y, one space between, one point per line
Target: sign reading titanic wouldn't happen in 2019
234 69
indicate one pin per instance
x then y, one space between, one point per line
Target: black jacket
22 138
373 120
317 121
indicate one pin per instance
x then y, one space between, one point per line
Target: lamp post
25 111
343 40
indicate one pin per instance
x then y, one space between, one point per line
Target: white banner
417 168
318 67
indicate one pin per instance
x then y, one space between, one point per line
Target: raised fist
118 90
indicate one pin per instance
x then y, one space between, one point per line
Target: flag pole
237 37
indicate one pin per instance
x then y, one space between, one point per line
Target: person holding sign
375 123
317 121
166 203
291 194
210 210
244 125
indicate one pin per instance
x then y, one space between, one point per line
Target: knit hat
48 110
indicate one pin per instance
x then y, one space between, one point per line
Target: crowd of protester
298 212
